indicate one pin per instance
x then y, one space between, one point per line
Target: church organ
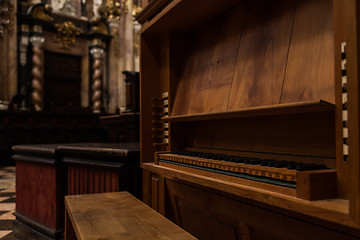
249 115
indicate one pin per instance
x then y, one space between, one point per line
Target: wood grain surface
213 215
310 67
87 180
118 216
303 135
259 62
334 210
262 54
38 193
205 84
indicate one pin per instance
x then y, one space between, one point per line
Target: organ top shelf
180 14
280 109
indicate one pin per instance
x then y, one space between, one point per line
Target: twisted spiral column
36 82
97 78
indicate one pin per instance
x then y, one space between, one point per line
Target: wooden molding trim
37 159
33 225
150 10
84 162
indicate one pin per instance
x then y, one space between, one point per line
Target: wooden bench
117 215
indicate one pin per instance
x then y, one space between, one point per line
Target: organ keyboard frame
186 53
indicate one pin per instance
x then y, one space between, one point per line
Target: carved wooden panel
87 180
208 215
38 193
61 70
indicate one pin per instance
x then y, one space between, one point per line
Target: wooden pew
117 215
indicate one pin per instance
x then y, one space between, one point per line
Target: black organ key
253 161
220 157
193 154
282 164
267 162
293 165
310 166
215 157
237 160
187 153
343 55
272 163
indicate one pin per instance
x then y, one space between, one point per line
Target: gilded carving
135 11
12 18
116 42
41 13
7 17
66 33
112 9
99 26
98 42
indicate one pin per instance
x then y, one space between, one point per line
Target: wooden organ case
250 117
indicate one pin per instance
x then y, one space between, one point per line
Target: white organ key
345 149
345 133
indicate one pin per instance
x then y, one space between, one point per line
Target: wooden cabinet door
208 215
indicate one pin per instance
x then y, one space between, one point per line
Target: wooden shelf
280 109
150 10
332 210
183 15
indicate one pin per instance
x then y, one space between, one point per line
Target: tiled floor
7 202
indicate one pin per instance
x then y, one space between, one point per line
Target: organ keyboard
282 173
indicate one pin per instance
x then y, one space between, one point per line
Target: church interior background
68 74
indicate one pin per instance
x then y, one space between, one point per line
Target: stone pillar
37 69
136 58
8 49
114 69
98 55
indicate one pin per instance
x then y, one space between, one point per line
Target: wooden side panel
262 54
96 181
88 180
69 180
155 192
114 182
310 67
69 232
347 29
91 181
149 88
316 185
146 190
207 215
38 193
108 181
101 180
81 180
205 80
